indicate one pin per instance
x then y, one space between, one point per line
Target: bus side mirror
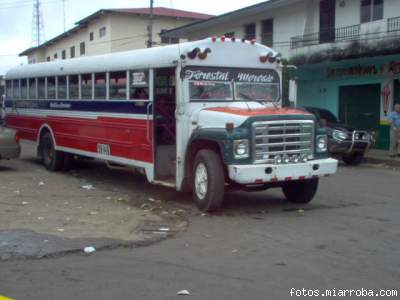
293 92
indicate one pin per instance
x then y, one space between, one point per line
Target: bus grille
288 141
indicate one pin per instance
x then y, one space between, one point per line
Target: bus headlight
241 148
322 143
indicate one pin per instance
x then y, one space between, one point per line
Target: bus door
164 105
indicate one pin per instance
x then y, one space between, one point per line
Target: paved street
258 247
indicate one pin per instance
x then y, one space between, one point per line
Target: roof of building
157 11
182 31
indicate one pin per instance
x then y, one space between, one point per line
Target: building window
73 86
51 87
86 86
62 87
102 32
118 85
48 58
72 50
91 36
55 55
64 54
371 10
100 86
250 31
267 32
229 34
82 48
168 40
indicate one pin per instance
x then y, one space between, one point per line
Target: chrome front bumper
264 173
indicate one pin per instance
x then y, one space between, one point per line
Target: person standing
394 118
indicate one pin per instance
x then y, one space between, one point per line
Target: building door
327 10
359 106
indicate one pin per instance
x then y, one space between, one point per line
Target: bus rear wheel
208 180
300 191
52 159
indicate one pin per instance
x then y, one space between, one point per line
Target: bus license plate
103 149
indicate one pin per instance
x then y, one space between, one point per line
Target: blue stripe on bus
113 106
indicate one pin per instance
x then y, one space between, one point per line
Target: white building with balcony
347 52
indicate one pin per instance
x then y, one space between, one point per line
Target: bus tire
353 159
208 180
300 191
52 159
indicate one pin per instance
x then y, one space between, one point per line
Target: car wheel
353 159
300 191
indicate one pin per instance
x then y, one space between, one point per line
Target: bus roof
227 53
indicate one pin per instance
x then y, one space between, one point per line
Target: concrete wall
288 21
123 32
129 32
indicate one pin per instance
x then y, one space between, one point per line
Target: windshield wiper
247 97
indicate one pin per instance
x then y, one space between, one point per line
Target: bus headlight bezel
241 149
321 143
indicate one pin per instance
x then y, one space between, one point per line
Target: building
112 30
347 52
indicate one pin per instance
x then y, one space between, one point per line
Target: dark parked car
344 142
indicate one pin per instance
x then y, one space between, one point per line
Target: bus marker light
223 38
214 39
233 39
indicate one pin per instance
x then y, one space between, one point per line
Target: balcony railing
393 24
326 36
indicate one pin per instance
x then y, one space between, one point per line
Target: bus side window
73 86
41 88
86 86
62 87
51 88
16 89
24 89
8 89
139 86
118 86
100 86
32 88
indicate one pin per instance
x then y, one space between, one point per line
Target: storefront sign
392 68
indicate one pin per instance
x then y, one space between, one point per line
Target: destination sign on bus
230 74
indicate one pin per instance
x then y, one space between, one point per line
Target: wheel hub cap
201 181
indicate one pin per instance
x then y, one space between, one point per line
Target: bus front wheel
52 159
208 180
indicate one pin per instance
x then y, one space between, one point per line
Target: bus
203 116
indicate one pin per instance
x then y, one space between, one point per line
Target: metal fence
393 24
326 36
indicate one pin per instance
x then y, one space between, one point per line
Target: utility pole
150 27
37 24
64 16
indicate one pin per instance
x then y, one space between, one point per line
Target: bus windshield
257 92
232 84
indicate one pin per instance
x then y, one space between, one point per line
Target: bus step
168 183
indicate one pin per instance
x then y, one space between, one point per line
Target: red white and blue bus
204 115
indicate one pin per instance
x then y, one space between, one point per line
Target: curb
386 161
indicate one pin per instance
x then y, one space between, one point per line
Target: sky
16 18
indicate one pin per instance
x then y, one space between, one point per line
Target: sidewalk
376 156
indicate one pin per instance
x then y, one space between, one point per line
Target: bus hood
217 117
